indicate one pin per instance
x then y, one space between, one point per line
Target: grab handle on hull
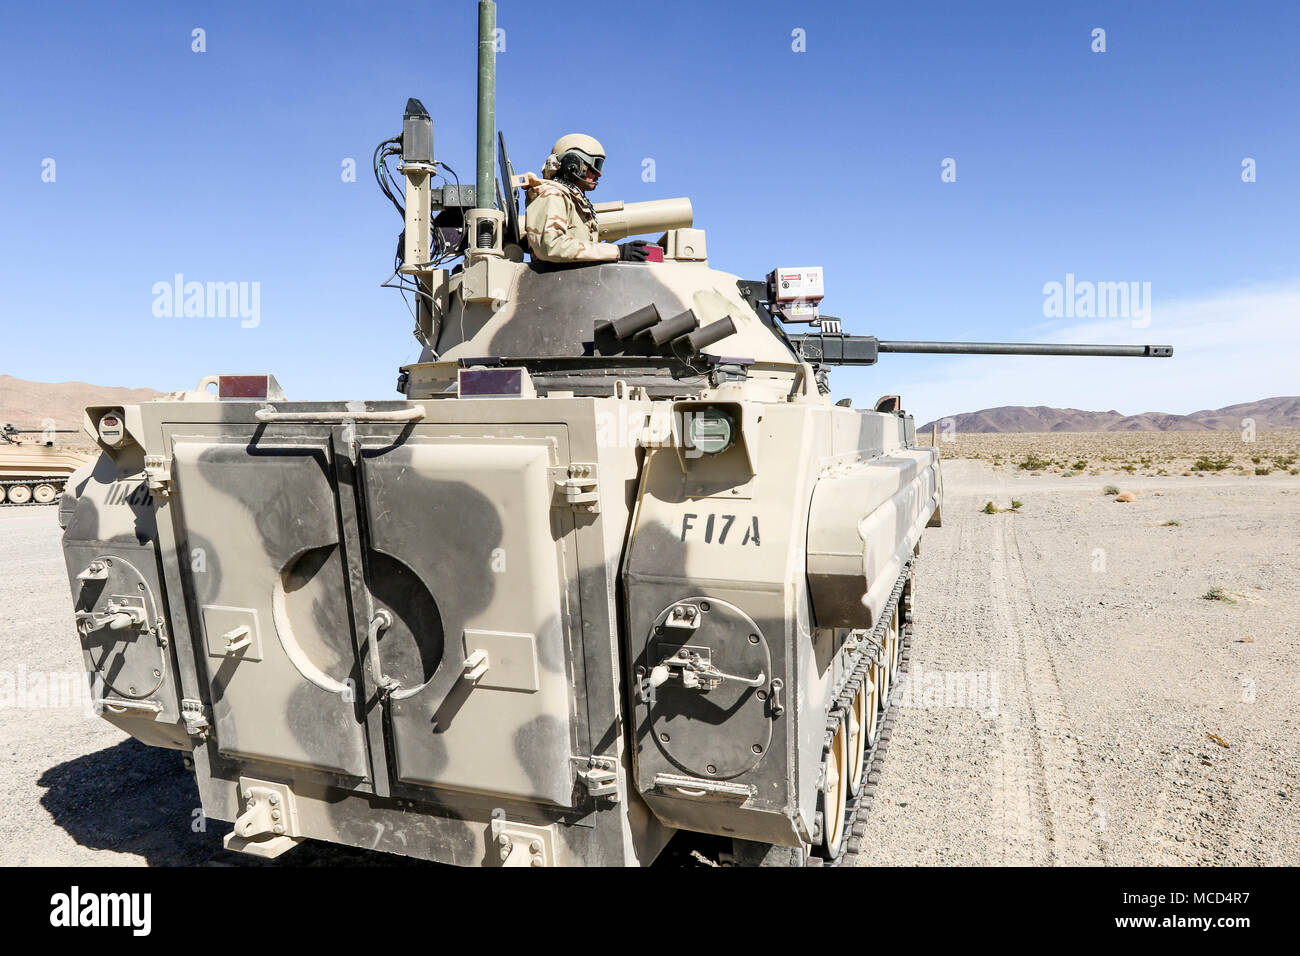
413 414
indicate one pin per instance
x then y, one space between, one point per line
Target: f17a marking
715 528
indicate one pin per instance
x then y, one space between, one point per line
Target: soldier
561 221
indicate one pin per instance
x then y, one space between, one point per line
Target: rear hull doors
338 577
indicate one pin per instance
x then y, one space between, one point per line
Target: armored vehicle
614 566
34 471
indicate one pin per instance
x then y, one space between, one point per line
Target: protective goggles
595 162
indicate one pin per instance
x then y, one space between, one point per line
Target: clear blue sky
225 166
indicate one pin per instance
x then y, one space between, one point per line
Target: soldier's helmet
578 158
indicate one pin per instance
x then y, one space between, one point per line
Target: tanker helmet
577 158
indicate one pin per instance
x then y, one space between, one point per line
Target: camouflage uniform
561 223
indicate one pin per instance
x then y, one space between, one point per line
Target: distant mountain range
26 404
1267 413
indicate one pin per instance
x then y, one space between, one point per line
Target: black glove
633 251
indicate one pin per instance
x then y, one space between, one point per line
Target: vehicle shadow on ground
130 798
141 800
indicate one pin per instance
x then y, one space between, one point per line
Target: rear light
112 431
242 386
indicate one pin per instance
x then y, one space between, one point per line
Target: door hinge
577 484
158 473
599 775
196 721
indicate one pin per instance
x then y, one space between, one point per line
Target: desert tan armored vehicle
614 566
32 470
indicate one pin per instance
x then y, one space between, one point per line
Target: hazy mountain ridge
1281 412
25 404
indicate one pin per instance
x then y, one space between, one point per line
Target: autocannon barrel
864 349
1025 348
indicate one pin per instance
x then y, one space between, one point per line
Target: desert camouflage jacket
561 223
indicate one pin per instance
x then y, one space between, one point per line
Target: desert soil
1118 716
1136 721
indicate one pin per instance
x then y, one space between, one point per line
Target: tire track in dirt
1048 616
1020 802
1067 800
1204 815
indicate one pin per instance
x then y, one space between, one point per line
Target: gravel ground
1113 671
1067 676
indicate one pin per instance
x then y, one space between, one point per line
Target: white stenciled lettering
715 529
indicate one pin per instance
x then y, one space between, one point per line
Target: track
859 806
57 481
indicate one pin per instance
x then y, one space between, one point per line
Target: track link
871 650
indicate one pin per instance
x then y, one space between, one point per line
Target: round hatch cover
119 624
718 728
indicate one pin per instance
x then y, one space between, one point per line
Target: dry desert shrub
1108 452
1206 463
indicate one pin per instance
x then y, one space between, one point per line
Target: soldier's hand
634 251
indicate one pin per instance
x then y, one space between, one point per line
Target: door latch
693 666
384 686
115 617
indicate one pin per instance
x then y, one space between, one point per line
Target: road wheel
871 685
889 661
896 643
20 494
857 718
884 670
835 789
45 493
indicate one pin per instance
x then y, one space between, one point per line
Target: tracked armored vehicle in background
34 471
614 567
